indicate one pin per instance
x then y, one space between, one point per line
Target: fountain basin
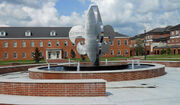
154 70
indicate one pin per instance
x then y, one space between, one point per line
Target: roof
172 46
120 35
19 32
162 38
175 27
160 30
39 32
155 31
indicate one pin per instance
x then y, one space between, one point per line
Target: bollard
133 64
48 66
106 61
78 66
138 62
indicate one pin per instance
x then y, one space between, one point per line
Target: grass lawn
19 61
102 59
163 56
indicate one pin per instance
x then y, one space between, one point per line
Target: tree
139 48
168 50
73 54
37 55
163 51
83 57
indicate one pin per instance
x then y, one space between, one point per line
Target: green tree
139 48
83 57
163 51
168 50
73 54
37 55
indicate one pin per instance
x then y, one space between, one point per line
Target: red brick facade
7 51
108 76
53 89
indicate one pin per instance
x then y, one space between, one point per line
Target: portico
53 53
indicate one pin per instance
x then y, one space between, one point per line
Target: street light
144 44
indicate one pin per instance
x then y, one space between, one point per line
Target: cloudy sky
126 16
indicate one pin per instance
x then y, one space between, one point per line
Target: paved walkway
164 90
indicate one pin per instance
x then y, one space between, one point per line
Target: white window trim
41 44
65 43
2 33
5 44
14 44
28 33
5 56
16 55
119 43
53 33
23 44
119 51
49 43
57 43
24 56
32 44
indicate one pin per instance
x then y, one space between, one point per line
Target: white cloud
126 16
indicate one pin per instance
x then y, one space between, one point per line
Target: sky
128 17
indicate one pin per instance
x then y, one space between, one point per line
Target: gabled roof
177 27
39 32
160 30
19 32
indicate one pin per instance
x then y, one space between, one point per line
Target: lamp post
144 44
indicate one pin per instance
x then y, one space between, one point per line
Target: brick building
19 43
159 39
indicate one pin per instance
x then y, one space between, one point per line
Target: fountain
93 32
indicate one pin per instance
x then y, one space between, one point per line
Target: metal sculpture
93 33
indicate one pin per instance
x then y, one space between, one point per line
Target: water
61 68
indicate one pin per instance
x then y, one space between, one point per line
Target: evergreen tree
37 55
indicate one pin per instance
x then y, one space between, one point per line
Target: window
5 44
28 33
52 33
126 52
168 41
172 33
177 32
49 55
2 33
57 54
126 42
5 55
23 44
15 44
119 42
65 43
172 40
41 44
119 52
15 55
57 43
23 55
32 44
65 54
49 44
112 52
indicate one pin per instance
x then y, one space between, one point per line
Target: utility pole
144 44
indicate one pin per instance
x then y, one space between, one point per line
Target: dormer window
52 33
28 33
2 33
